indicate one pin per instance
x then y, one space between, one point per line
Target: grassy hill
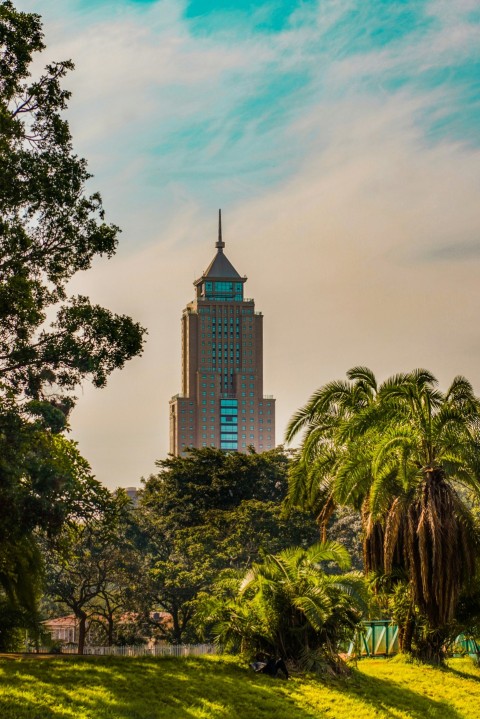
223 688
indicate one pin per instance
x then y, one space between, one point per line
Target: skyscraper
222 402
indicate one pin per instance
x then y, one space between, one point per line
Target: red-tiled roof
67 621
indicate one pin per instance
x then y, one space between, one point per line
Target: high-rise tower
222 402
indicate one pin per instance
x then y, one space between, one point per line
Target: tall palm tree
323 421
405 456
427 450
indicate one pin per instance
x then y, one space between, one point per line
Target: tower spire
220 244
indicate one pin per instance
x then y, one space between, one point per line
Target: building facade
222 402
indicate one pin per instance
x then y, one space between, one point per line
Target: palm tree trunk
432 648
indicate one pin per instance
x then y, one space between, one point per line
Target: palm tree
288 606
428 449
324 420
405 456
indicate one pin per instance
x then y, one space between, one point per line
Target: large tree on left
50 228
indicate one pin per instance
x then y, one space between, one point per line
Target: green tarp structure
380 639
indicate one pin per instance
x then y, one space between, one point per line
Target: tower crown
220 268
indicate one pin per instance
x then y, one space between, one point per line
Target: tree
50 228
183 565
325 421
207 511
85 566
289 607
403 456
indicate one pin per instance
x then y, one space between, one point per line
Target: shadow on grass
471 676
384 695
191 688
143 689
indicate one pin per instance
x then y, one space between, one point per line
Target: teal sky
341 139
297 55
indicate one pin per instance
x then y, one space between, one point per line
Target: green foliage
20 574
49 230
222 688
209 479
208 511
44 482
288 606
43 478
400 452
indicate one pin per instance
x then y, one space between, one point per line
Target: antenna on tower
220 244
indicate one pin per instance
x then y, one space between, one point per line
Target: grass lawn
212 687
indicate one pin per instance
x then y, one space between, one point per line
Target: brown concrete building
222 402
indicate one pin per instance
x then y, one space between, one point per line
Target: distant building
222 402
132 494
63 629
66 629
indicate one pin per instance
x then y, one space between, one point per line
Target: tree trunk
324 518
431 648
408 629
82 631
177 629
110 631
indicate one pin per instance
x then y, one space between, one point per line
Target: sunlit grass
214 688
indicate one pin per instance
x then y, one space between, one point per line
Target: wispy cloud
463 251
341 138
201 97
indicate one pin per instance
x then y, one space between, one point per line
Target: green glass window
223 286
229 424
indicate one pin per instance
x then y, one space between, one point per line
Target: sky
341 138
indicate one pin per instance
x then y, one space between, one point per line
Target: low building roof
68 621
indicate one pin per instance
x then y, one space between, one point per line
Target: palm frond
363 374
313 610
329 551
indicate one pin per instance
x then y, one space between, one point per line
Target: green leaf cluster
209 511
289 606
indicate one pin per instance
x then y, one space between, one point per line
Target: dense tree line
201 515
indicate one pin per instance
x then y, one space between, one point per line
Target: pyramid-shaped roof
221 266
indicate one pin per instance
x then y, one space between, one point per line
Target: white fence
141 650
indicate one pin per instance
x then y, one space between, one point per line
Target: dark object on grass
264 664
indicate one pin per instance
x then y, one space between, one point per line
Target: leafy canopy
49 230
